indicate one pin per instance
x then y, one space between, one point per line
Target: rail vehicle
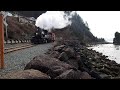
42 36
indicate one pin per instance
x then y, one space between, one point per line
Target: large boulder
51 66
26 74
70 74
59 48
63 57
70 52
95 74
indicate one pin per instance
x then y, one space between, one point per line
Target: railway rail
12 49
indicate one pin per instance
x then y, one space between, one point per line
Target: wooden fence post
1 42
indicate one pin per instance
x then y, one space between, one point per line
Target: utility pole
1 41
4 21
6 29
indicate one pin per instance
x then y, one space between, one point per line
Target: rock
70 74
105 76
51 66
103 57
81 65
70 52
118 77
113 62
115 68
85 75
95 75
96 57
83 69
73 62
63 57
72 43
26 74
54 54
59 48
105 71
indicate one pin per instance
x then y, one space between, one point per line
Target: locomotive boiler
42 36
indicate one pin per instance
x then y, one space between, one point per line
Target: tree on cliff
81 29
116 40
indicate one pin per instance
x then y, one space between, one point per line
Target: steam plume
53 19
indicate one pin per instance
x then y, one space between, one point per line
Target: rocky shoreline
69 60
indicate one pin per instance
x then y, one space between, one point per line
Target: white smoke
53 19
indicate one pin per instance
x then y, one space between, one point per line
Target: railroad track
12 49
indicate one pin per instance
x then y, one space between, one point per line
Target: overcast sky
102 23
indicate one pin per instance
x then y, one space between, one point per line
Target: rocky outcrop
94 64
51 66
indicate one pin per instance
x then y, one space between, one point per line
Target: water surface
110 50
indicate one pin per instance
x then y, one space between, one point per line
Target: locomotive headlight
36 33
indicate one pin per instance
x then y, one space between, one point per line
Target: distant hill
19 30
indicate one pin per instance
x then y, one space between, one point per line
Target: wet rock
105 76
63 57
26 74
51 66
70 74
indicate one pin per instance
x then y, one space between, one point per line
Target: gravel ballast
17 60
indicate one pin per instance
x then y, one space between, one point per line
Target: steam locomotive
42 36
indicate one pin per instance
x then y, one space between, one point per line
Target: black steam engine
41 36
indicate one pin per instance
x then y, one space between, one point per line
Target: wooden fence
16 41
